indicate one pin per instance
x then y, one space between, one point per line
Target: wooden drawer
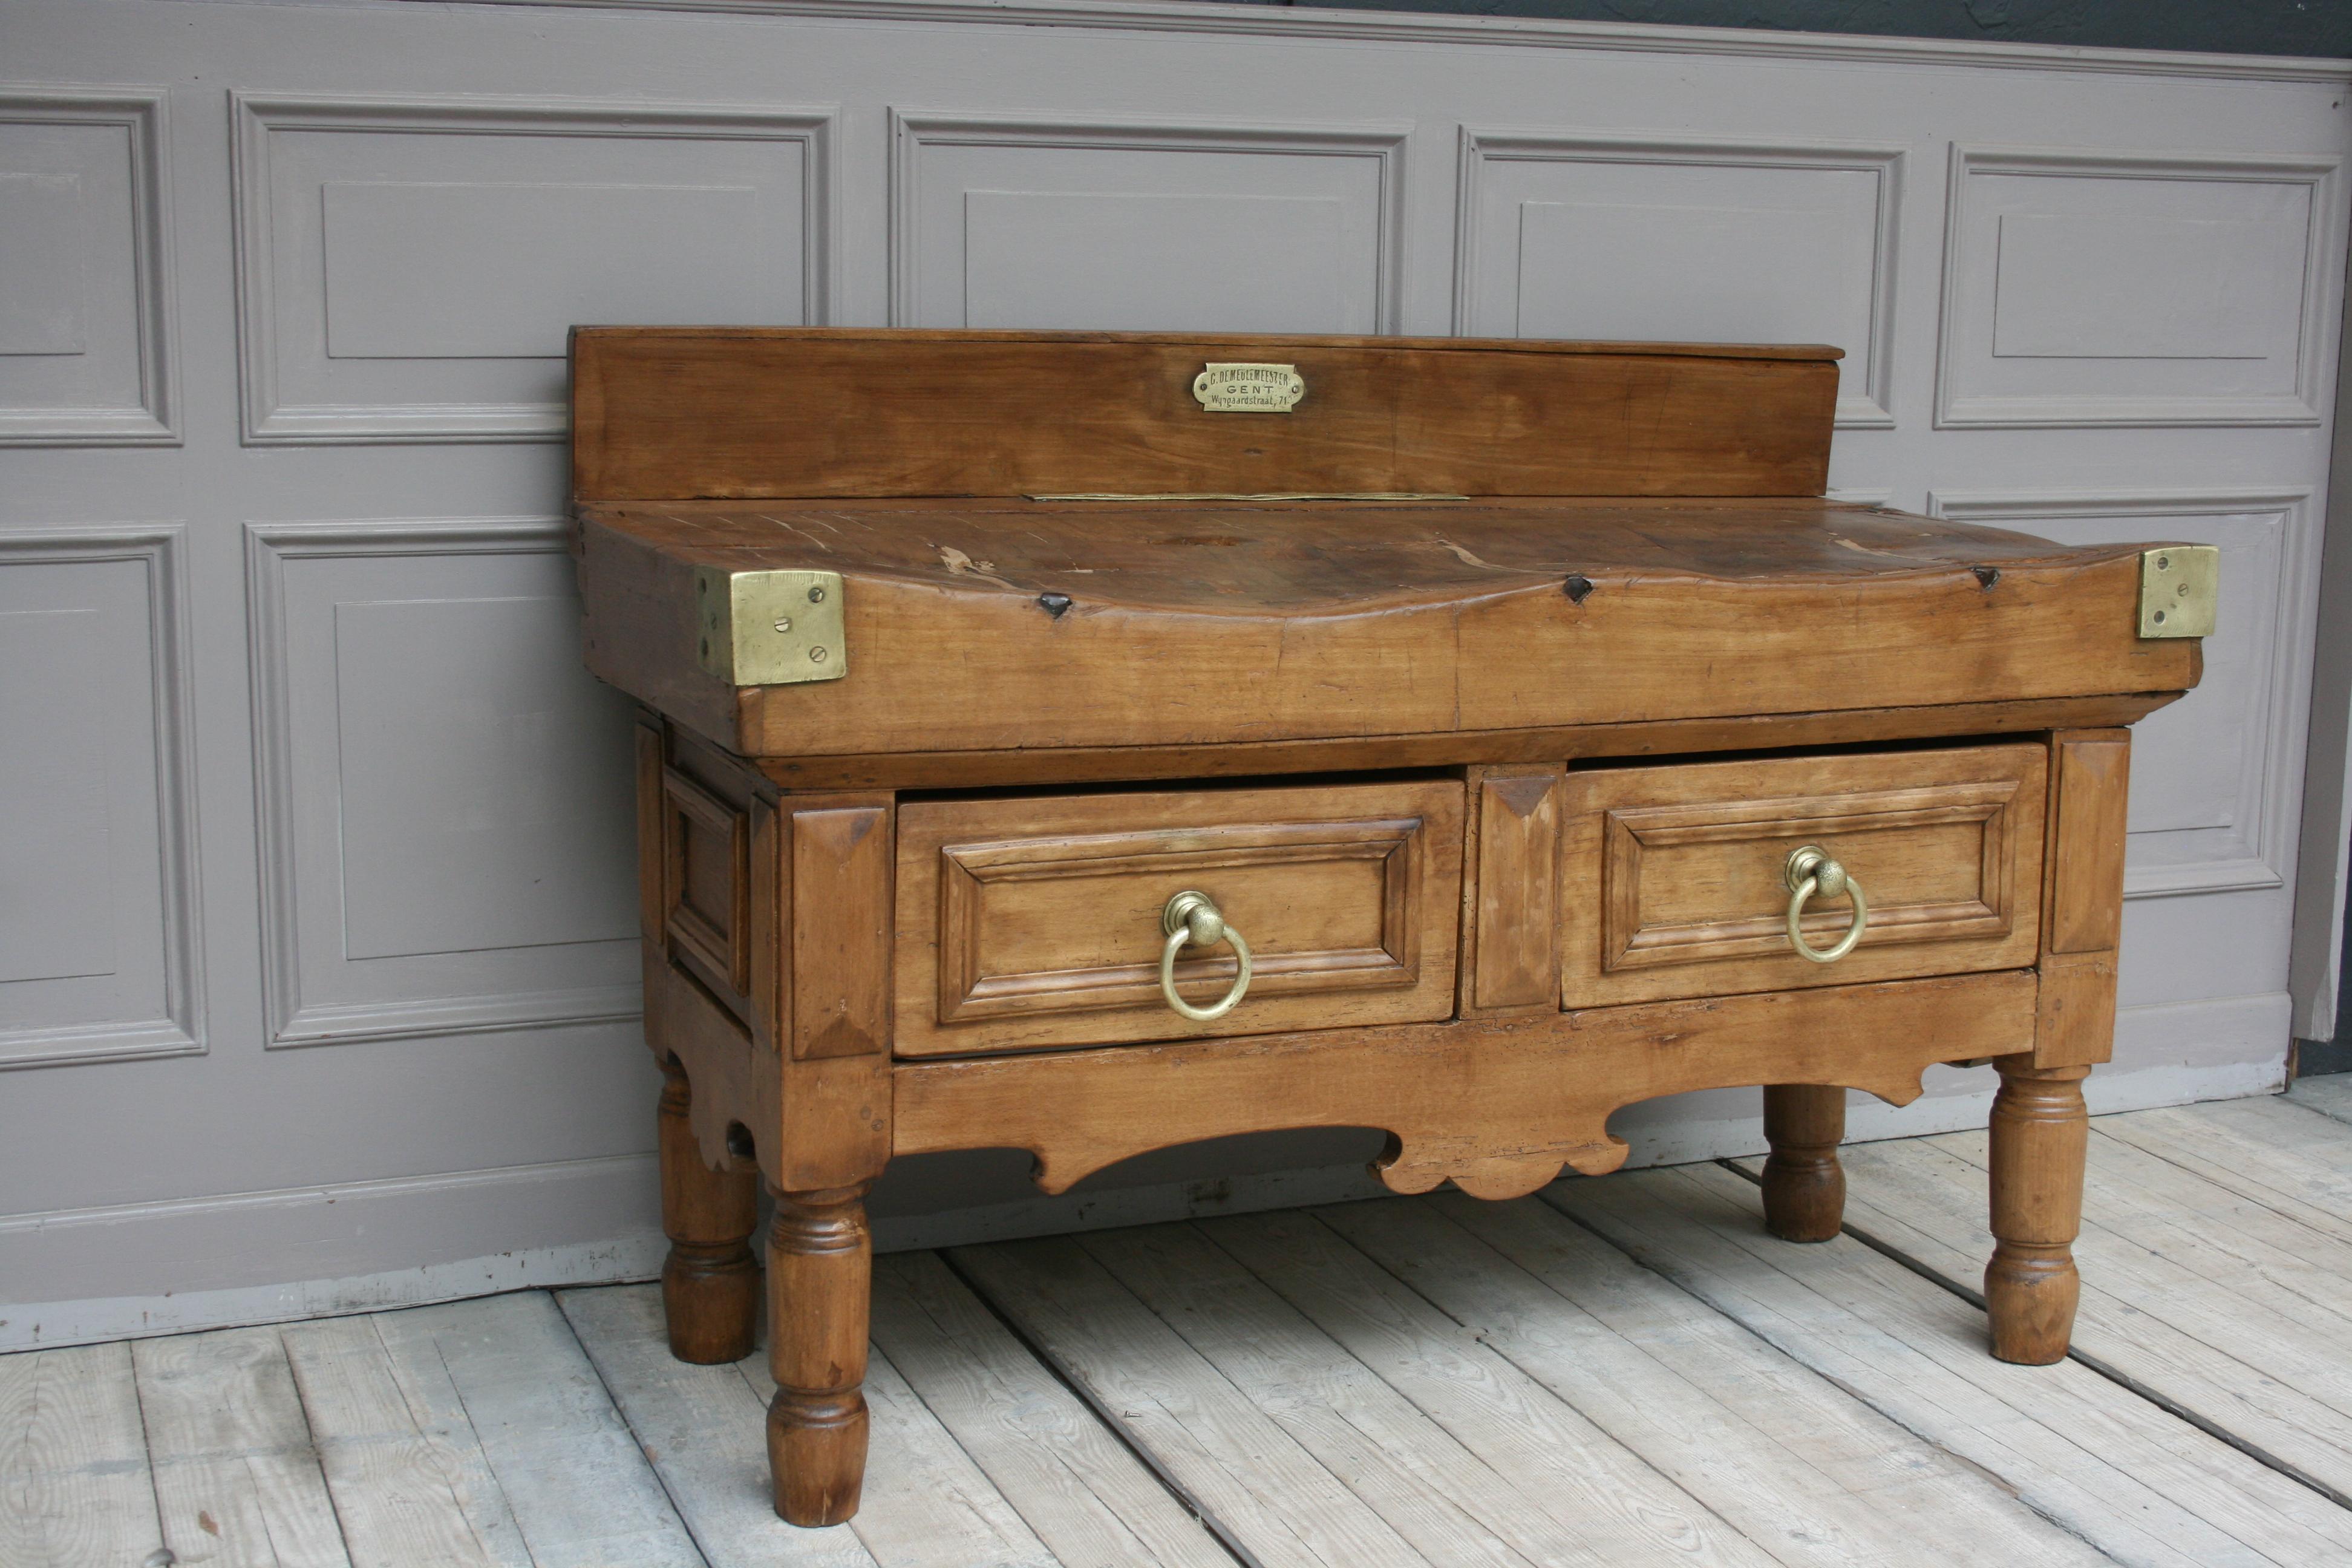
1035 921
1674 873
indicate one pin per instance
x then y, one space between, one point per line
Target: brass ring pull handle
1810 872
1194 919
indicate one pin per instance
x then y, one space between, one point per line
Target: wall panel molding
1867 398
1967 341
2257 850
275 413
178 1029
915 132
146 412
291 1019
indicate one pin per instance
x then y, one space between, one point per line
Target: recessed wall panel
409 270
522 263
448 840
57 918
1611 238
1143 227
96 864
46 248
85 344
2086 288
477 800
1158 262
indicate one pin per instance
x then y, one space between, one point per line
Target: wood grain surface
1013 625
1510 889
1496 1106
1096 764
678 412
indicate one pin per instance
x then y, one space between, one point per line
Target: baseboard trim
322 1251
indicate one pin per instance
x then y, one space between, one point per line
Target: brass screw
784 623
816 655
816 595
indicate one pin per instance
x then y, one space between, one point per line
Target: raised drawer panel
1035 921
1674 873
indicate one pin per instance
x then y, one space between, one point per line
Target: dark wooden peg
710 1281
1804 1186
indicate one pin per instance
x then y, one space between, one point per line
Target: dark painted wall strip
2230 26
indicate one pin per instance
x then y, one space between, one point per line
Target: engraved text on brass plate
1249 388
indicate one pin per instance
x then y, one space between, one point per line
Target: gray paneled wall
316 972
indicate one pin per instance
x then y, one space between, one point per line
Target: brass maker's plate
769 628
2180 589
1249 388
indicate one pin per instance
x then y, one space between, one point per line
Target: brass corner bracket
2180 590
769 628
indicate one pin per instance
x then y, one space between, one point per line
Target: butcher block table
1086 744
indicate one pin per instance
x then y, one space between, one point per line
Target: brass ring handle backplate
1810 872
1192 919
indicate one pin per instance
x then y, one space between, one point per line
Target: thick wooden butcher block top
980 618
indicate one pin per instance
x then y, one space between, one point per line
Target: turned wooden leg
2040 1135
820 1280
1804 1188
710 1282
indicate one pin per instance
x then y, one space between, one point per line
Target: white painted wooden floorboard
2313 1259
2271 1150
926 1504
401 1462
1548 1444
1884 1484
582 1495
2114 1468
1439 1495
1089 1499
237 1481
74 1490
1275 1498
2330 1095
1587 1483
1797 1465
704 1432
2237 1171
2149 1319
